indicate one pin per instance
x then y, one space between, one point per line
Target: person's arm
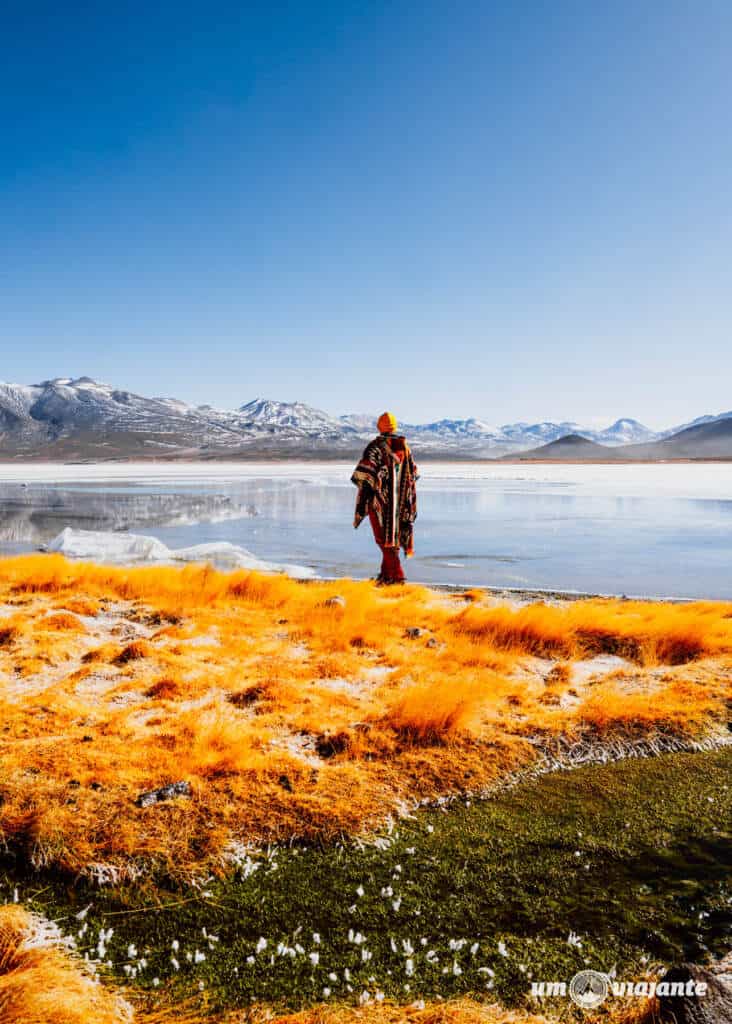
363 500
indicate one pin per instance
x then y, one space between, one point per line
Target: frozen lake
639 529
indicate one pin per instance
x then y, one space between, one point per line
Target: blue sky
508 210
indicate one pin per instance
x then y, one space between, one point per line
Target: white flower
474 948
326 993
314 959
396 904
502 948
332 976
175 945
174 962
573 939
360 891
198 957
316 938
262 944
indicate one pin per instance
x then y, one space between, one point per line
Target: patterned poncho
386 477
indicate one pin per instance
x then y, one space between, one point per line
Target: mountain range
80 418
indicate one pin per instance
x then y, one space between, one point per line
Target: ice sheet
125 548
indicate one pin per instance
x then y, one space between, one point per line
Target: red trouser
391 566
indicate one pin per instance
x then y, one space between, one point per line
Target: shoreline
347 456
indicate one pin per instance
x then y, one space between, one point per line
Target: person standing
386 478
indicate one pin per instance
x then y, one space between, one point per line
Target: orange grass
292 716
40 983
450 1011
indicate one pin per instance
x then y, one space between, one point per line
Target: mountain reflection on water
31 516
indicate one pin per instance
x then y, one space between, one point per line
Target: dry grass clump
451 1011
290 714
40 983
644 632
61 621
432 712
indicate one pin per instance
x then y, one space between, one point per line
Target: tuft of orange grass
431 712
80 606
291 715
61 621
451 1011
40 983
644 632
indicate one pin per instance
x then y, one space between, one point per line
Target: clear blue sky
509 210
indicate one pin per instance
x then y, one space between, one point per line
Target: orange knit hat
386 423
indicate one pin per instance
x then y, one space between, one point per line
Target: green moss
632 857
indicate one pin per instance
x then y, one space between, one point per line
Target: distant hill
571 448
710 440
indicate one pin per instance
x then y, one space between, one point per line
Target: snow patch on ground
123 548
602 665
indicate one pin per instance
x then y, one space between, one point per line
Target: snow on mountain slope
80 417
297 416
65 407
623 431
698 422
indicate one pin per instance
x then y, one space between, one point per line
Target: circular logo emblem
588 989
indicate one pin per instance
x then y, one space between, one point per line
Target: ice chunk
106 546
124 548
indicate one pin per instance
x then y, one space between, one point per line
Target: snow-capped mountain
698 422
82 418
61 408
623 431
262 412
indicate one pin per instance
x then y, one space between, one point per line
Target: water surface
661 530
